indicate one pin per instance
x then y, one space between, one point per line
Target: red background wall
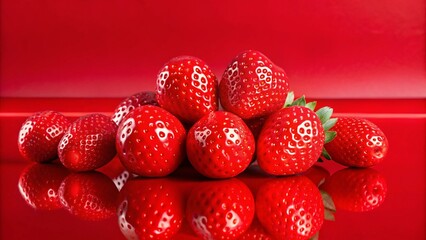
114 48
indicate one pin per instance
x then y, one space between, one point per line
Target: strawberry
290 207
220 145
39 185
255 125
292 138
89 143
150 209
255 232
252 86
220 209
132 102
356 190
89 195
40 134
150 142
186 87
359 143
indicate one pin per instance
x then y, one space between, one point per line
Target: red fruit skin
89 143
290 207
256 232
39 185
252 86
132 102
89 196
187 88
220 209
151 142
359 143
220 145
150 209
255 125
356 190
40 135
290 141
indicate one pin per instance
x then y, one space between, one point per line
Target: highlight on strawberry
292 139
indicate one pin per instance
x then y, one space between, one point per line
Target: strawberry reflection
39 185
356 190
150 209
186 206
317 174
89 195
116 171
290 207
220 209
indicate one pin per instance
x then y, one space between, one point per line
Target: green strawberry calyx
324 115
329 211
329 207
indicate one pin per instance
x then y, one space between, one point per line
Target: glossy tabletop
402 214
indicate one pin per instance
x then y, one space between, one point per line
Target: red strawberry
150 209
220 209
255 125
252 86
359 143
89 143
39 185
292 139
356 190
186 87
290 207
220 145
40 134
255 232
290 142
151 141
89 195
132 102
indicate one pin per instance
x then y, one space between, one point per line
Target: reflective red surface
48 202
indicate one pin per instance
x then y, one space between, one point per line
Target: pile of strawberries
154 132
